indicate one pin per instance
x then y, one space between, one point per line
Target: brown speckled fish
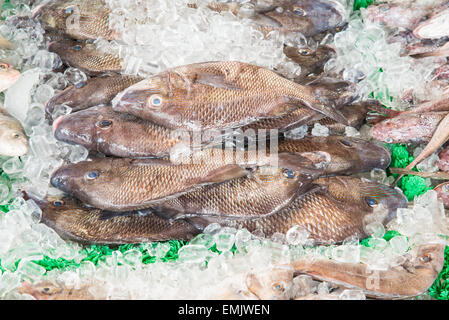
116 134
220 95
77 19
341 209
410 279
86 57
264 192
74 221
93 92
348 155
124 184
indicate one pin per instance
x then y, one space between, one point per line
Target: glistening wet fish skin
348 155
443 162
86 57
443 193
123 184
93 92
116 134
339 209
13 140
436 26
221 95
77 19
412 278
74 221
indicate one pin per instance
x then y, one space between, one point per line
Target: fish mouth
375 156
60 179
62 131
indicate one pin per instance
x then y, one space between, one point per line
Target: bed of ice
174 35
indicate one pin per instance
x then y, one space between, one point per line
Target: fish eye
68 10
346 143
304 52
371 201
104 123
77 47
289 174
277 287
16 136
46 289
58 203
81 84
299 12
389 140
92 175
4 66
425 258
155 100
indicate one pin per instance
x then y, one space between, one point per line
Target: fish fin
199 222
375 118
280 110
227 172
215 80
106 215
331 112
310 163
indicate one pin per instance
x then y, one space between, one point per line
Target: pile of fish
216 142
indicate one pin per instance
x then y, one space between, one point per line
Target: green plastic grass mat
362 4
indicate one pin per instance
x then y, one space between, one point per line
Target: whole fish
123 184
264 192
443 193
408 128
76 19
310 59
93 92
348 155
443 162
74 221
436 26
13 140
220 95
86 57
412 278
116 134
339 209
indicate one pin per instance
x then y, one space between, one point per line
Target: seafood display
254 144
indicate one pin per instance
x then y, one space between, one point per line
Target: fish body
443 162
94 92
123 184
348 155
408 128
395 15
219 95
76 19
86 57
436 26
412 278
339 209
115 134
74 221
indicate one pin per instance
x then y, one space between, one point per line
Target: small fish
339 209
93 92
220 95
116 134
348 155
123 184
408 128
412 278
13 140
86 57
266 191
436 26
442 191
395 15
76 222
443 163
77 19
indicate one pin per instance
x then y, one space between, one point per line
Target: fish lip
59 179
376 157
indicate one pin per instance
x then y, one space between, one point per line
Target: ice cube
375 229
399 244
352 295
297 133
74 75
320 130
346 253
297 235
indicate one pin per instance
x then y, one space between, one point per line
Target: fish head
8 76
70 96
69 50
430 258
96 123
309 56
87 179
53 16
309 17
13 141
369 196
274 284
45 290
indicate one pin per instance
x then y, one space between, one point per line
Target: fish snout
60 179
375 156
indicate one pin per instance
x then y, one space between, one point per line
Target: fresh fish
310 59
436 26
443 162
408 128
443 193
13 140
95 91
86 57
123 184
220 95
74 221
116 134
395 15
48 290
355 113
433 50
77 19
412 278
339 209
348 155
264 192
